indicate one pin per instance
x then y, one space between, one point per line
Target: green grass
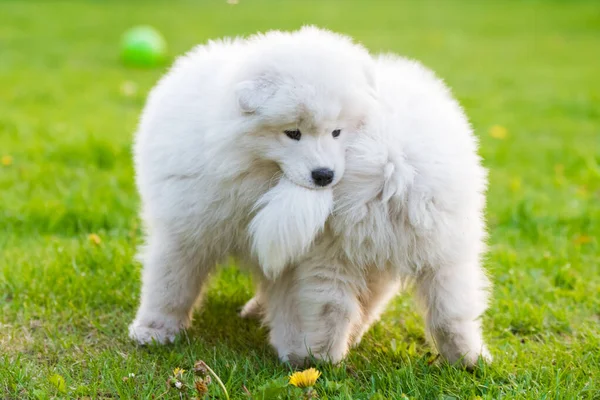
531 67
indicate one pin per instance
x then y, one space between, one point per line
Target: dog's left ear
253 94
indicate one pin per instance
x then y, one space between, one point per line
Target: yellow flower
515 184
178 372
498 132
559 169
582 239
7 160
305 378
95 238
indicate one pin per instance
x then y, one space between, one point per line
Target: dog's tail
375 174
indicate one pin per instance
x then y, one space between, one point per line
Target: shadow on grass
218 323
217 329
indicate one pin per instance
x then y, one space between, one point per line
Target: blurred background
527 73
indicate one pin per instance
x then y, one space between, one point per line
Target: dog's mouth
311 185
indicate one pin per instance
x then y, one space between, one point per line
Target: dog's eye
293 134
336 132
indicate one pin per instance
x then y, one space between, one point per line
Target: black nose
322 176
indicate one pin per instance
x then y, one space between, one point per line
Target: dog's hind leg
453 300
382 286
173 273
253 307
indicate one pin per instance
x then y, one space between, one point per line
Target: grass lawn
528 74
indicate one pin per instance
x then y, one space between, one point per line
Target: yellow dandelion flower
498 132
582 239
559 169
7 160
305 378
95 238
178 372
515 184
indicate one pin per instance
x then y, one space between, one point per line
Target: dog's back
411 173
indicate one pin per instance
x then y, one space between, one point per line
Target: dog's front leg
313 311
173 274
453 299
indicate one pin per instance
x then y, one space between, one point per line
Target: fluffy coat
219 175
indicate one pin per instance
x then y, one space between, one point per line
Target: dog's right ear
253 94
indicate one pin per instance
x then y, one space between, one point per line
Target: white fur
218 177
285 227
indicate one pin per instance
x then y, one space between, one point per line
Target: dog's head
304 96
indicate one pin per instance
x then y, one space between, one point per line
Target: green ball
143 46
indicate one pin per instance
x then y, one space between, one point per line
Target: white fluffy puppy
334 177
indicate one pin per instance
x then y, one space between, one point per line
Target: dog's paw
252 309
471 360
333 352
356 341
303 358
484 355
157 331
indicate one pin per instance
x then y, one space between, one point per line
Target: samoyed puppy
336 178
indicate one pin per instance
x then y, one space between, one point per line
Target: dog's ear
253 94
